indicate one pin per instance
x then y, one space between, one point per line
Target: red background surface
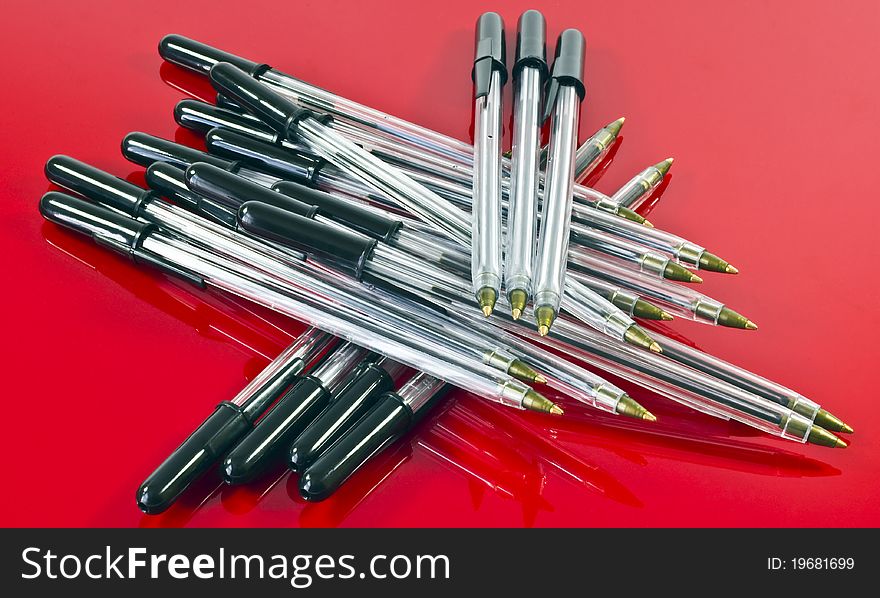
770 109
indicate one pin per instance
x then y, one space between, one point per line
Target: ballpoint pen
272 223
230 421
199 266
571 335
355 256
386 421
591 152
228 190
291 121
234 145
489 75
370 260
751 382
629 301
122 195
625 252
681 300
373 379
565 92
638 188
200 58
273 433
690 387
529 74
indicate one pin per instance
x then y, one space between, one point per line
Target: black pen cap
490 52
568 66
352 401
386 421
232 190
268 157
275 431
111 229
200 57
348 212
145 149
271 107
96 184
201 117
343 250
531 43
198 453
169 181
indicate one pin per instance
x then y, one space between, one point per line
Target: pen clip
489 53
568 68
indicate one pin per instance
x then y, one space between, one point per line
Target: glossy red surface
770 110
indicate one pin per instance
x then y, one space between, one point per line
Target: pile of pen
380 235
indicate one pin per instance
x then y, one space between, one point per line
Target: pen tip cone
630 408
841 443
731 269
664 166
556 410
666 316
648 416
543 330
751 325
847 428
655 347
831 422
540 379
647 223
515 313
487 297
614 128
821 436
695 279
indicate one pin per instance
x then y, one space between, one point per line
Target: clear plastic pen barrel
248 283
680 300
684 384
523 199
307 346
556 211
486 212
388 179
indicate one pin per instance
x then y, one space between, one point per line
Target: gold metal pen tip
829 421
636 335
614 128
545 315
666 316
534 401
674 271
731 269
713 263
628 214
664 166
821 436
487 296
695 279
518 299
751 325
647 223
629 407
520 370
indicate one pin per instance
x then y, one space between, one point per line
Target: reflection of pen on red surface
670 441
